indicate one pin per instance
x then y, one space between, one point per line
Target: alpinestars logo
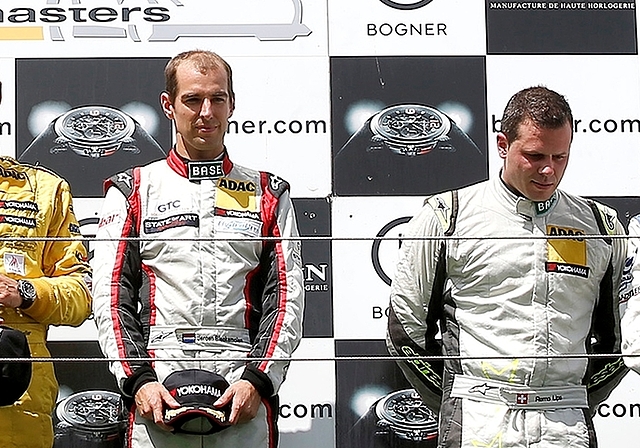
141 20
406 5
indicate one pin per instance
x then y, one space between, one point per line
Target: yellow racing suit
34 203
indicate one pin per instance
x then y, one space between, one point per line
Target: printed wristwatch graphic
402 415
89 418
408 149
410 130
94 131
181 18
88 144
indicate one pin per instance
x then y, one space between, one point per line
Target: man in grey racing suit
197 266
500 277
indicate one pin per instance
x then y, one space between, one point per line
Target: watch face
406 413
94 126
411 124
27 290
94 409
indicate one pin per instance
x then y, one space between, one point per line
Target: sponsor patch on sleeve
14 263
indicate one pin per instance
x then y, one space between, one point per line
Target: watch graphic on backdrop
404 420
410 130
408 149
94 131
90 418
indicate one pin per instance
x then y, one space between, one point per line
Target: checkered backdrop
308 76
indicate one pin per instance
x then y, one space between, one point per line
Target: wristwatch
27 292
94 131
404 420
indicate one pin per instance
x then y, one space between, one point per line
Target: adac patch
237 195
567 254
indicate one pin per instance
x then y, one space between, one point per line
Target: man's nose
206 110
547 168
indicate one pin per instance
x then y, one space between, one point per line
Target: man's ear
503 145
167 105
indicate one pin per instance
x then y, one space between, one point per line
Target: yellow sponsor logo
22 33
506 373
236 195
571 250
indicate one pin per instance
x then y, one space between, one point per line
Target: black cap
196 390
14 376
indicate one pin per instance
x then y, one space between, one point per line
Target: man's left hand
9 295
245 401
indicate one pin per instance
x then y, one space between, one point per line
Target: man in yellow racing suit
44 280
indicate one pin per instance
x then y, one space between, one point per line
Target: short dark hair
203 60
542 106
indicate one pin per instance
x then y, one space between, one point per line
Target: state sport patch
170 222
567 255
236 195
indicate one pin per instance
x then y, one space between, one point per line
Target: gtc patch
160 225
236 195
567 255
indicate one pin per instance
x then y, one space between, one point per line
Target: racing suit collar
517 203
180 164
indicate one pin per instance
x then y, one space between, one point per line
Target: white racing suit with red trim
199 285
500 306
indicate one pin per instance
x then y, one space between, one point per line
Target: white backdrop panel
604 157
367 27
360 295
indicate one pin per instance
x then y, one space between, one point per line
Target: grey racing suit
184 275
485 279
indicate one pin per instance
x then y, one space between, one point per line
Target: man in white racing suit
502 278
630 295
197 266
